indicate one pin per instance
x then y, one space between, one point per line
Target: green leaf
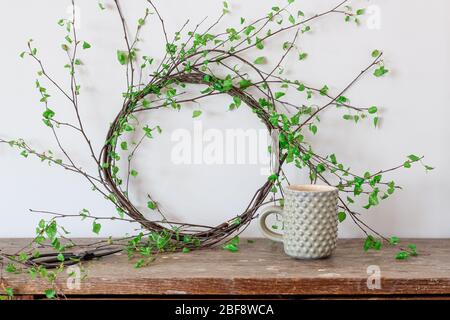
134 173
124 146
151 205
260 60
105 165
394 240
373 110
381 71
231 247
324 90
237 101
259 43
120 212
368 243
96 227
139 264
320 168
302 56
376 120
306 29
333 159
373 198
86 45
342 216
413 158
402 255
278 95
249 30
376 53
371 243
50 293
41 224
9 292
48 114
236 241
413 249
244 84
341 100
360 12
196 114
186 250
377 245
10 268
148 132
291 19
122 56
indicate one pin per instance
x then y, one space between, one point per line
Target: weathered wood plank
260 268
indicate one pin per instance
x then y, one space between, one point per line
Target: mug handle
263 227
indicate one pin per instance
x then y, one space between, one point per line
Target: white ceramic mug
310 221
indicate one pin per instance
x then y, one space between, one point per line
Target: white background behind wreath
415 96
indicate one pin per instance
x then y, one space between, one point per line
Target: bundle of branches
217 62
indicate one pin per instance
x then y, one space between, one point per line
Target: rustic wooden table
259 268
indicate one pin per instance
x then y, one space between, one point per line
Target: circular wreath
208 236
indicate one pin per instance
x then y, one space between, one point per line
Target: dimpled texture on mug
311 224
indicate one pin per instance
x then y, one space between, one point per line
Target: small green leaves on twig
226 7
381 71
232 245
410 251
372 243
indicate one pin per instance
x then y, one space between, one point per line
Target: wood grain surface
259 268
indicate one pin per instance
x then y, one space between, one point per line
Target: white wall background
414 36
